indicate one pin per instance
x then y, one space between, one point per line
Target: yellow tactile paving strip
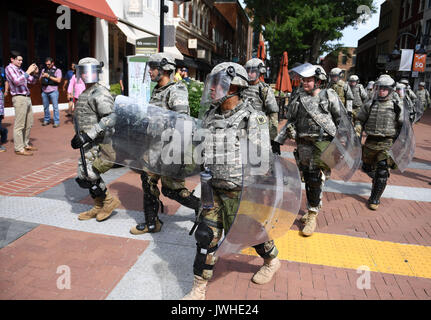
353 252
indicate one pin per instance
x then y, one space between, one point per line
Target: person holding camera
50 79
18 86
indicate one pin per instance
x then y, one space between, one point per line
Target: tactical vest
48 81
422 95
259 94
89 111
226 164
161 96
357 95
382 120
314 114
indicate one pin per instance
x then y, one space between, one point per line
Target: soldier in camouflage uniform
342 89
315 115
262 95
423 95
230 112
370 89
96 120
359 94
381 119
409 91
402 91
172 96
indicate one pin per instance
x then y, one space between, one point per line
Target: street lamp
165 9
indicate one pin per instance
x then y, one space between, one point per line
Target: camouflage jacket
424 97
381 118
232 128
359 95
344 92
263 99
312 117
173 96
95 112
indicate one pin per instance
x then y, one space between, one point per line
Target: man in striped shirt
18 81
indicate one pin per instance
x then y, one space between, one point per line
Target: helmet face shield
89 73
253 73
216 87
381 92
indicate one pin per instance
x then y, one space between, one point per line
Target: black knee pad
368 169
203 235
313 178
382 170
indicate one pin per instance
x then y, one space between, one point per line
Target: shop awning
131 33
96 8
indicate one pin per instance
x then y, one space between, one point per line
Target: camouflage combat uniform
173 96
95 116
360 96
314 121
227 181
264 100
381 121
345 94
424 96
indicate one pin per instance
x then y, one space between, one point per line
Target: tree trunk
315 48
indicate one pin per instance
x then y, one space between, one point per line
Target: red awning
96 8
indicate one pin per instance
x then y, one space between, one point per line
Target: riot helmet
401 89
336 74
353 80
255 68
220 79
383 87
308 70
162 62
88 69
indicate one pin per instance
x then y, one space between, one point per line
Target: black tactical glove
349 115
275 147
79 140
412 116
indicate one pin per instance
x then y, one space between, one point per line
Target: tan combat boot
198 290
310 224
267 271
92 213
110 203
304 218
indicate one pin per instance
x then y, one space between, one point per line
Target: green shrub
115 89
195 89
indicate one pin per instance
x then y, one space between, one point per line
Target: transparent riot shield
269 205
403 149
344 152
155 139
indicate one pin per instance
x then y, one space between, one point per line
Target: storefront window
61 52
84 28
18 35
41 40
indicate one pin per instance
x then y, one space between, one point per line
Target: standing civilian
76 87
50 79
69 75
3 131
18 81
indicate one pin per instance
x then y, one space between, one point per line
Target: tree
303 28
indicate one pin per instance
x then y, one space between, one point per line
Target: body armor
263 97
359 95
381 118
227 165
92 109
173 96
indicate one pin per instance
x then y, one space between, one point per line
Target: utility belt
378 138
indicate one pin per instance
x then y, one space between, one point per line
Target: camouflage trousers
309 153
377 149
220 218
152 180
96 157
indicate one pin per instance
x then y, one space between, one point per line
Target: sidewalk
43 243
